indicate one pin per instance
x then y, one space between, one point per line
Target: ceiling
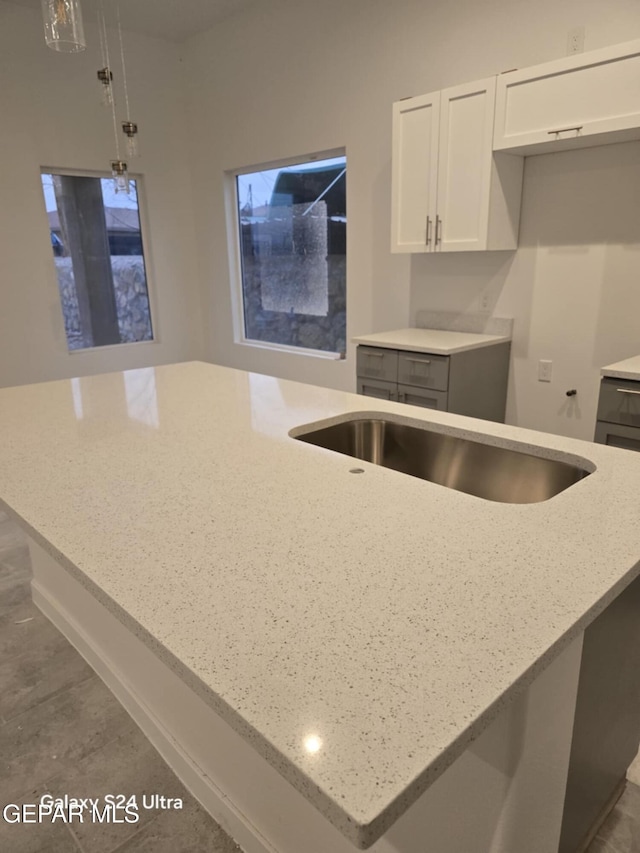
174 20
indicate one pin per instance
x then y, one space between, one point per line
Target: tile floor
61 732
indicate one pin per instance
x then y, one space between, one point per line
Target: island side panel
505 793
507 787
606 728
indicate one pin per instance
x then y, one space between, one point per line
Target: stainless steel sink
494 473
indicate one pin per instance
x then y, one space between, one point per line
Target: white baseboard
197 783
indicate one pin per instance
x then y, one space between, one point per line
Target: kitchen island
326 658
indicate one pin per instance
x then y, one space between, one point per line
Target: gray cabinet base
472 383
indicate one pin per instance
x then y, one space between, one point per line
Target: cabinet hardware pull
375 355
428 230
428 361
566 129
626 391
438 230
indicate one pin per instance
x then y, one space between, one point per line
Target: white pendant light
63 28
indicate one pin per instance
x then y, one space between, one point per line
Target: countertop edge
362 834
335 814
433 349
610 373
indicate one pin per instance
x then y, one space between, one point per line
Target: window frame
235 253
138 177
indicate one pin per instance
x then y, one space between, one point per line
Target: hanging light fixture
129 128
63 28
106 78
119 168
104 74
120 176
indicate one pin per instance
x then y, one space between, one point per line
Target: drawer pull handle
428 361
438 230
375 355
566 129
626 391
428 230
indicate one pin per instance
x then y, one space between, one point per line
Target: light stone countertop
438 341
627 369
388 617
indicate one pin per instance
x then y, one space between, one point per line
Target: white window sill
284 348
111 346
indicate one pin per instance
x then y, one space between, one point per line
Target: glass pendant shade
106 78
130 130
120 176
63 28
132 147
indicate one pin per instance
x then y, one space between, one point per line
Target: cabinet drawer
619 402
377 363
616 435
422 397
424 370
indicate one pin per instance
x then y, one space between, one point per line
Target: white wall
297 76
50 115
289 77
573 286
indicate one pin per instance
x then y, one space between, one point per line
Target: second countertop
438 341
627 369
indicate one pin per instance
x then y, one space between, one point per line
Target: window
293 224
97 248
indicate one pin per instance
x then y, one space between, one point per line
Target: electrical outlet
484 302
575 40
545 368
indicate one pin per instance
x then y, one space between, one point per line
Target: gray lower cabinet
618 423
470 383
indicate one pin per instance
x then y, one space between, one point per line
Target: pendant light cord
124 70
113 100
101 34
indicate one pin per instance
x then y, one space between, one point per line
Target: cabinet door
376 388
423 397
414 173
588 99
464 166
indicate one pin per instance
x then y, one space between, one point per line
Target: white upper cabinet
449 192
414 172
579 101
